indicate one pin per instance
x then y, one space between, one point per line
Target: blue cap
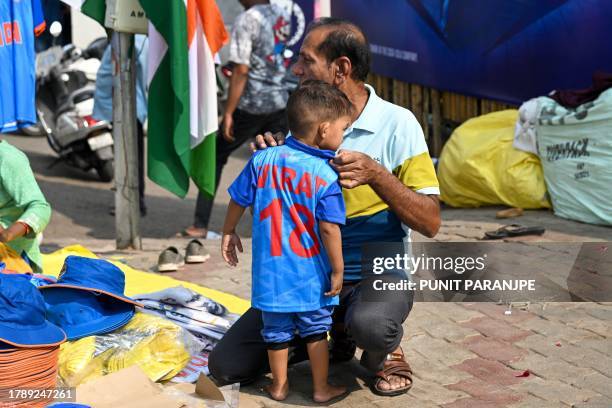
94 275
22 315
82 313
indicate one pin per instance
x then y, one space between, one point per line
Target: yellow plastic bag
479 166
13 263
158 346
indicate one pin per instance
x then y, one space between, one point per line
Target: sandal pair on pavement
170 258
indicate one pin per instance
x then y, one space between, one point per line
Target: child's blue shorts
280 328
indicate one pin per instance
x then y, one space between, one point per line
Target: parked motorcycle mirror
56 29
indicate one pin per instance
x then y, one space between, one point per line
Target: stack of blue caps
88 298
22 316
29 343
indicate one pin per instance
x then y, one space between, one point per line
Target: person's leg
241 355
279 389
376 327
275 122
246 126
313 327
141 167
278 330
323 391
342 346
203 209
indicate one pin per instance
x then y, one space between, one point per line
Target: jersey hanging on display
20 21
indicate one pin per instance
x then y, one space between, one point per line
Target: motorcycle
64 104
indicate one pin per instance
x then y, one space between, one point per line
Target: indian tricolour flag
93 8
184 36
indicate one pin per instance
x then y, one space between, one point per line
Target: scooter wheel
106 171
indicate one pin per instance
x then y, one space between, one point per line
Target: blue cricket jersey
290 188
20 20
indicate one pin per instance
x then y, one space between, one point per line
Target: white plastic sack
575 148
525 128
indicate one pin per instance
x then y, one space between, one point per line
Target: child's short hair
315 102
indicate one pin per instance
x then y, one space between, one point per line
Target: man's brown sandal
394 365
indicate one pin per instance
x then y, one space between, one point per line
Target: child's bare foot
328 393
276 391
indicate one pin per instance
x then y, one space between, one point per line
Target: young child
297 208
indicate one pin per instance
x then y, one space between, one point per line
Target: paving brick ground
463 355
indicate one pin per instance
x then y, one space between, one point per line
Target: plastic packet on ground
231 393
158 346
196 366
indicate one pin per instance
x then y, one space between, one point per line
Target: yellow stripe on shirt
361 201
416 173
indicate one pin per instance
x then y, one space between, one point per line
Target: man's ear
342 70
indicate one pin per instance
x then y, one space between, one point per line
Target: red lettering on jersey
287 176
304 185
263 176
8 33
16 32
302 227
275 183
319 183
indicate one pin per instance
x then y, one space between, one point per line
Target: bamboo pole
416 97
436 145
425 114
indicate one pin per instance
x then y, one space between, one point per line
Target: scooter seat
74 98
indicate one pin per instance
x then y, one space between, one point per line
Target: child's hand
229 243
336 284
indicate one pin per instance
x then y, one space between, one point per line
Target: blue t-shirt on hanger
20 20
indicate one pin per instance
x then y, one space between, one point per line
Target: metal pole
127 206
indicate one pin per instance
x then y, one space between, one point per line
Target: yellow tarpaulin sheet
137 282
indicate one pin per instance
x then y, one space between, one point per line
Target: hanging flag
183 38
95 9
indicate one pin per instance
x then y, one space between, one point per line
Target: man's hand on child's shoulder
267 140
229 243
355 168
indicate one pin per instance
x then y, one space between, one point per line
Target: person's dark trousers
246 126
376 327
141 167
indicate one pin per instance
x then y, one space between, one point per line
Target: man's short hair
315 102
345 39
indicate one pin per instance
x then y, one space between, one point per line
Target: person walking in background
103 102
257 95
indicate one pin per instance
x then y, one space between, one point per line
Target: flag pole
127 202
